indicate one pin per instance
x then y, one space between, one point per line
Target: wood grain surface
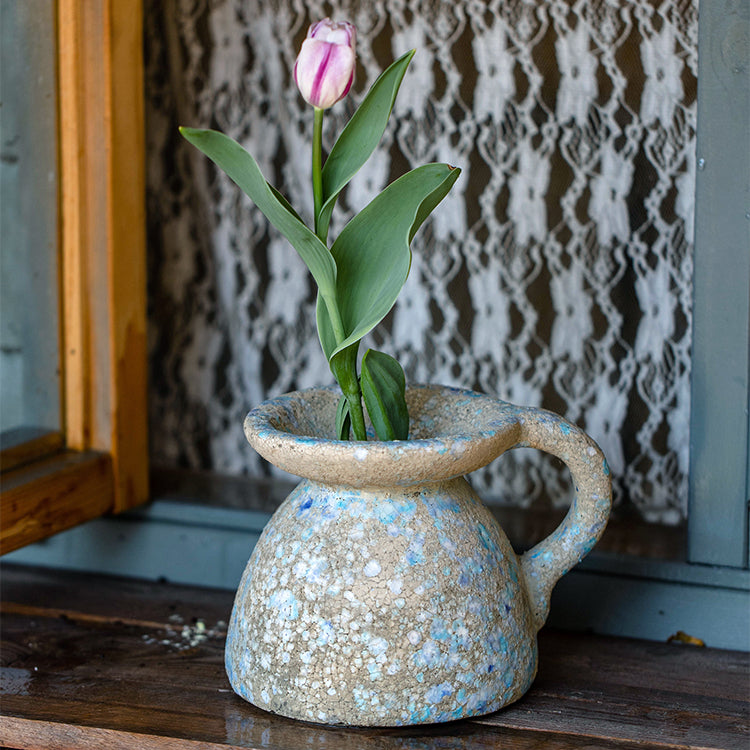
53 494
94 661
22 445
102 237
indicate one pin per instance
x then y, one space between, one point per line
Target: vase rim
453 432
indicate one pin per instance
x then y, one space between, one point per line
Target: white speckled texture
382 592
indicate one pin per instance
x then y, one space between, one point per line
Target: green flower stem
344 366
336 323
317 169
345 370
357 415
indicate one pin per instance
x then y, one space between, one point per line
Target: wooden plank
75 335
134 599
103 237
127 251
53 495
107 662
24 733
268 734
640 691
22 445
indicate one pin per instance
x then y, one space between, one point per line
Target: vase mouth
452 432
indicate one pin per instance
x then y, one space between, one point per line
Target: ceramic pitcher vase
383 592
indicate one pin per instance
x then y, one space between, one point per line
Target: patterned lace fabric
557 273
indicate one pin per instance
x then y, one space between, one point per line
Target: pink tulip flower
324 69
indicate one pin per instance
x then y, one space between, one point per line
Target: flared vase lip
454 431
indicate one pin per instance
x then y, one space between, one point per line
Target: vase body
383 592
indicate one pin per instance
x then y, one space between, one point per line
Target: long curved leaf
244 171
360 136
384 393
343 419
325 329
372 252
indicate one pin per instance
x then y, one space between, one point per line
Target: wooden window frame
720 408
101 461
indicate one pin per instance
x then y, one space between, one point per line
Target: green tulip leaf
284 202
384 393
240 166
372 253
360 136
343 419
325 328
344 368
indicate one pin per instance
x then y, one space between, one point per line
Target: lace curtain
557 273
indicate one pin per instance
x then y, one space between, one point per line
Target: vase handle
543 565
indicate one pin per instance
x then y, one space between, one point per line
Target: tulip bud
324 69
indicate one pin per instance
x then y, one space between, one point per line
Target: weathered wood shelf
99 662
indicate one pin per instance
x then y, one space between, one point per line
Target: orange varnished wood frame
102 282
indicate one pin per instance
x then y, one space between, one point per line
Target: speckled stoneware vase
382 592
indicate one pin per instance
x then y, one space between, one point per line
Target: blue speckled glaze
422 586
369 603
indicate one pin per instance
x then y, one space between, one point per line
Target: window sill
201 530
94 661
54 494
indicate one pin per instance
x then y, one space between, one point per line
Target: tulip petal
326 30
324 72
